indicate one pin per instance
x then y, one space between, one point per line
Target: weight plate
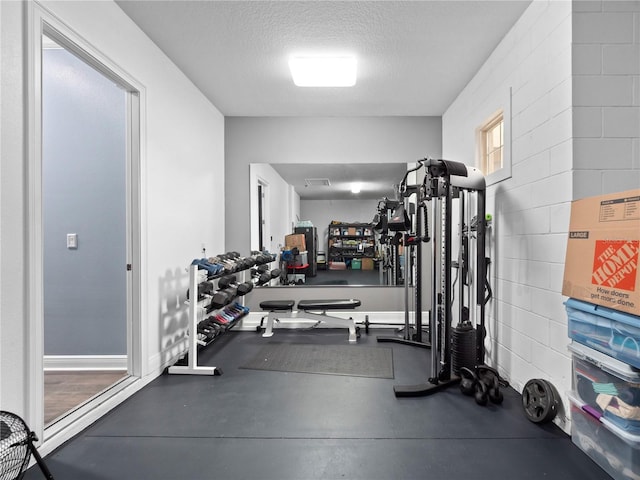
539 401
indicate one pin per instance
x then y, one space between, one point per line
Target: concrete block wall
573 71
529 73
606 97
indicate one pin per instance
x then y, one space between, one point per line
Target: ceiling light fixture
356 187
323 71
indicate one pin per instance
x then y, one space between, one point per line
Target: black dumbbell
243 262
221 298
239 262
266 277
228 290
259 270
260 275
204 288
208 328
219 261
231 281
227 261
261 257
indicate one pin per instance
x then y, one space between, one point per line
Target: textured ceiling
414 57
377 179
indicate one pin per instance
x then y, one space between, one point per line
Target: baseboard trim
84 362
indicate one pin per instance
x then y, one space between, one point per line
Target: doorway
86 172
264 227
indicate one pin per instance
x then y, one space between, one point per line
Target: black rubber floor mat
349 360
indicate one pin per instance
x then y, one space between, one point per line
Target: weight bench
283 309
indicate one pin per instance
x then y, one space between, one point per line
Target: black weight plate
556 398
539 402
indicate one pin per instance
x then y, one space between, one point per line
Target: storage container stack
601 278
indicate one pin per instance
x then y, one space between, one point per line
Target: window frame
503 109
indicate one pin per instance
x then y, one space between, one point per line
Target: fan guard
16 448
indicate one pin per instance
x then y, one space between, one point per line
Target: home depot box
602 251
295 240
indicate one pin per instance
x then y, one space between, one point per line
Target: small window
493 138
492 144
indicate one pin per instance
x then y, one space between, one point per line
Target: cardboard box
337 266
367 264
295 240
603 247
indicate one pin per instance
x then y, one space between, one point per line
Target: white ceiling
414 57
377 179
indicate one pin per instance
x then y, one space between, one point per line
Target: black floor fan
16 448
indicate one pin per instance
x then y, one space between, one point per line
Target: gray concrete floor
250 424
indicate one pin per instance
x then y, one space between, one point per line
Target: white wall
13 327
1 188
606 97
526 320
182 190
315 140
282 207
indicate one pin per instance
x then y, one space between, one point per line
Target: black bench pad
277 305
340 304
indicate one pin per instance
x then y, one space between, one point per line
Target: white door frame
266 215
40 21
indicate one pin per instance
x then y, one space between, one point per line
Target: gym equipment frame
444 182
196 306
192 368
412 242
283 309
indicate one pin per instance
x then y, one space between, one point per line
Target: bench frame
275 315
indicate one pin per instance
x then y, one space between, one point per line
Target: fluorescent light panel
356 187
323 71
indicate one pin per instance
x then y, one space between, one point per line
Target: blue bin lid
609 313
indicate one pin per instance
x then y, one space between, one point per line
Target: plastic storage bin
608 387
297 278
300 260
321 261
616 451
609 331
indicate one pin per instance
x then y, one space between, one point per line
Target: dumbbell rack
192 367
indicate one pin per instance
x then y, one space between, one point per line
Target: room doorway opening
87 229
260 218
264 235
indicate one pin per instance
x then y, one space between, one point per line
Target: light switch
72 240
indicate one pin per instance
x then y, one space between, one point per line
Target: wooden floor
64 390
